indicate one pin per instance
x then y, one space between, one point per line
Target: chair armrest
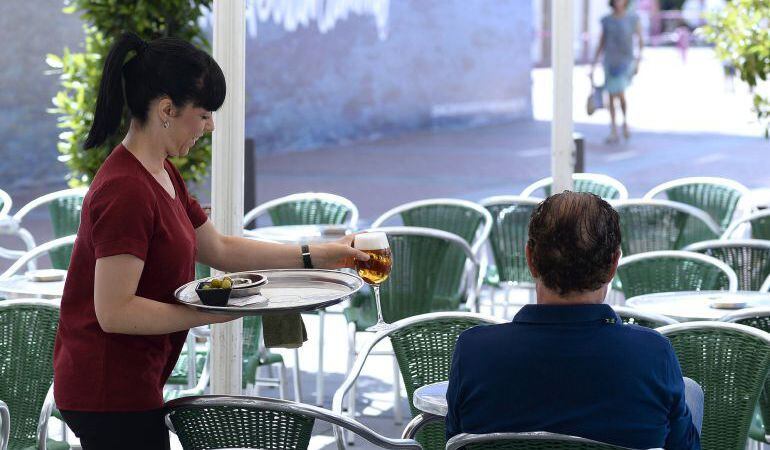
42 424
5 425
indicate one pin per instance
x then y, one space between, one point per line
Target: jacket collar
566 314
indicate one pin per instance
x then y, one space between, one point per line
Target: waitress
120 331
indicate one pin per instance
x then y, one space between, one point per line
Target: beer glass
376 270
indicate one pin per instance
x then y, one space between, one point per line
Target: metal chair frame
479 240
49 403
633 313
747 219
262 209
355 370
722 324
682 254
353 354
511 200
461 440
723 182
12 225
683 207
597 177
352 220
271 404
7 203
36 253
722 243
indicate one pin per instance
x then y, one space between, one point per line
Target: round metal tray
287 290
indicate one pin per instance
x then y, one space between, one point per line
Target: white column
562 59
227 176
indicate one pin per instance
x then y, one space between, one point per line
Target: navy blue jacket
574 370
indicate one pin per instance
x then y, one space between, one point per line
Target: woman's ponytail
109 103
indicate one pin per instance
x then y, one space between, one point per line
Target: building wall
30 29
444 63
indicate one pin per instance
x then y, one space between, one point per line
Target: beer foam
371 241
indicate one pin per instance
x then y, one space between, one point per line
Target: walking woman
141 232
620 64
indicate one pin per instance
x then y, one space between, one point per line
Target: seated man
568 364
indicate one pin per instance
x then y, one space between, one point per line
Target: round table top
299 234
20 286
431 398
698 305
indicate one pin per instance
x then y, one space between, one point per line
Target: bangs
212 88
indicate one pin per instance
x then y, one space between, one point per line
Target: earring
165 124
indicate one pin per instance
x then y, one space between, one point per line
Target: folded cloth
283 330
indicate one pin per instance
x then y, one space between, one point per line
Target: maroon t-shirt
126 211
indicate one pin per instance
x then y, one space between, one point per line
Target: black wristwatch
306 256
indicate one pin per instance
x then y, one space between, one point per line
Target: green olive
216 283
226 283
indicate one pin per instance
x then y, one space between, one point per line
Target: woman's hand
336 255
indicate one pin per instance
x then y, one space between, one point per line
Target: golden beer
377 269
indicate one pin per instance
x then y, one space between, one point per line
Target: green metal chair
64 209
412 286
209 422
66 242
538 440
759 224
731 363
508 240
308 208
424 346
461 217
27 334
757 318
604 186
645 319
719 197
749 258
673 271
651 225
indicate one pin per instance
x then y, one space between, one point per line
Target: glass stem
376 288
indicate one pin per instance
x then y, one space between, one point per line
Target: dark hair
165 66
573 240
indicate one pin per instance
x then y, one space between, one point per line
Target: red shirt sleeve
194 211
123 217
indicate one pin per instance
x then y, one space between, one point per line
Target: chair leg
398 415
282 381
297 388
319 376
352 393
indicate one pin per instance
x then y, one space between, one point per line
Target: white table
697 305
299 234
19 286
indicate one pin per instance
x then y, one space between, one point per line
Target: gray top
431 398
619 40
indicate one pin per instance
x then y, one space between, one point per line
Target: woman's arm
598 52
640 39
120 310
234 254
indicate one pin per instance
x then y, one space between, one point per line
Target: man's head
574 244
